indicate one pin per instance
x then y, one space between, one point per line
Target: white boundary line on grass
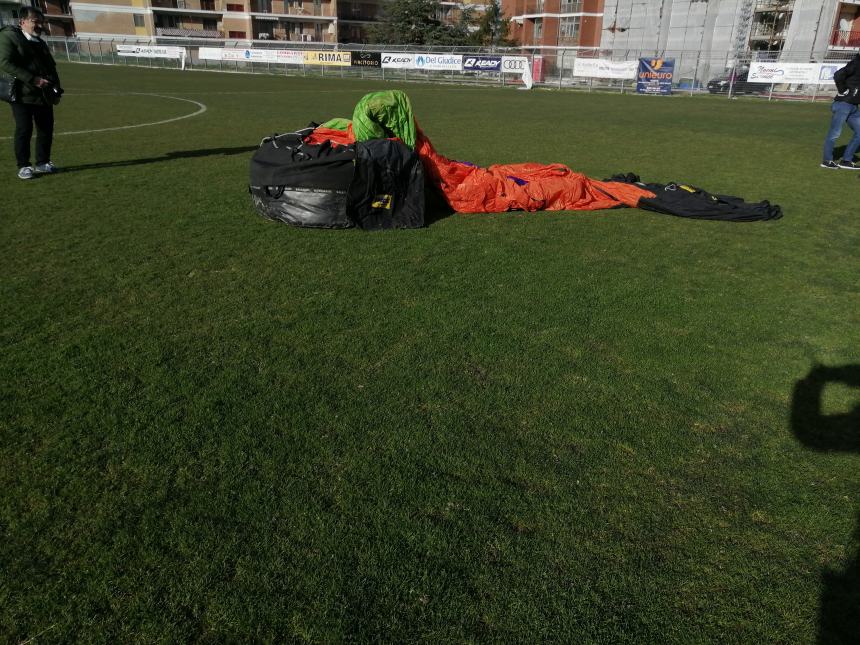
201 109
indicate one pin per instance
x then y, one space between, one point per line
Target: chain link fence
695 72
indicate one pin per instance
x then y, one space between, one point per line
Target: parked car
737 80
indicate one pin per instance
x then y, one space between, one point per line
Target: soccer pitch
611 426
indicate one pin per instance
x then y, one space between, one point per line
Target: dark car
735 79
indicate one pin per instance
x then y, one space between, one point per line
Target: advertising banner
398 60
537 68
826 72
784 73
654 75
145 51
439 62
482 63
339 59
283 56
366 59
603 68
518 65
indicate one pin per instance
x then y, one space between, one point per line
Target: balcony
186 5
845 39
188 33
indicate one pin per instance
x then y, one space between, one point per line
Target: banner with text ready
482 63
144 51
518 65
654 75
604 68
398 60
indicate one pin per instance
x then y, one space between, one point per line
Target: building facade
734 29
784 29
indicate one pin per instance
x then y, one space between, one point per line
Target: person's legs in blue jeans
841 111
853 123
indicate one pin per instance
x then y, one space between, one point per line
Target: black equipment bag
373 185
684 200
387 190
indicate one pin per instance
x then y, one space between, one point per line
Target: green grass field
570 427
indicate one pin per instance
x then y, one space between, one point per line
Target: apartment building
547 25
766 28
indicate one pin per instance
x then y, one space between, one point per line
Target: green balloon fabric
381 115
337 123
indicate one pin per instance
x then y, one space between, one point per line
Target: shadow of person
825 432
839 617
177 154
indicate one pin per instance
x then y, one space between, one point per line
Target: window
207 5
571 6
235 7
236 34
539 6
569 27
538 32
210 25
138 20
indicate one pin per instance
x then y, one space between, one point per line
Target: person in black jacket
26 57
844 110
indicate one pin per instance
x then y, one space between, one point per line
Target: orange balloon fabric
508 187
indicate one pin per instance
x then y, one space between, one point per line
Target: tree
493 27
415 22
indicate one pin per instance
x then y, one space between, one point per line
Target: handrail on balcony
845 38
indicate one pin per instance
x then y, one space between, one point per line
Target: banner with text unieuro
654 75
518 65
801 73
604 68
338 59
283 56
398 60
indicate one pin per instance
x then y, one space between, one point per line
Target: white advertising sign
826 72
146 51
603 68
439 62
283 56
518 65
398 60
784 73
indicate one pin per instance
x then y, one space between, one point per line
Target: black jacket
847 81
25 60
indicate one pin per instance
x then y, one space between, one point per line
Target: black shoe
832 165
848 165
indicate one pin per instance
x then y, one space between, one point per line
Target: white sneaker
43 168
26 172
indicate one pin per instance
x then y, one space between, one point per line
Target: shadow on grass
839 619
178 154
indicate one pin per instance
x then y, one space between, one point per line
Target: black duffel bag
372 185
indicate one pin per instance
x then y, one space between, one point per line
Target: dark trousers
25 116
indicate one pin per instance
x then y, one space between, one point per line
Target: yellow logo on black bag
382 201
